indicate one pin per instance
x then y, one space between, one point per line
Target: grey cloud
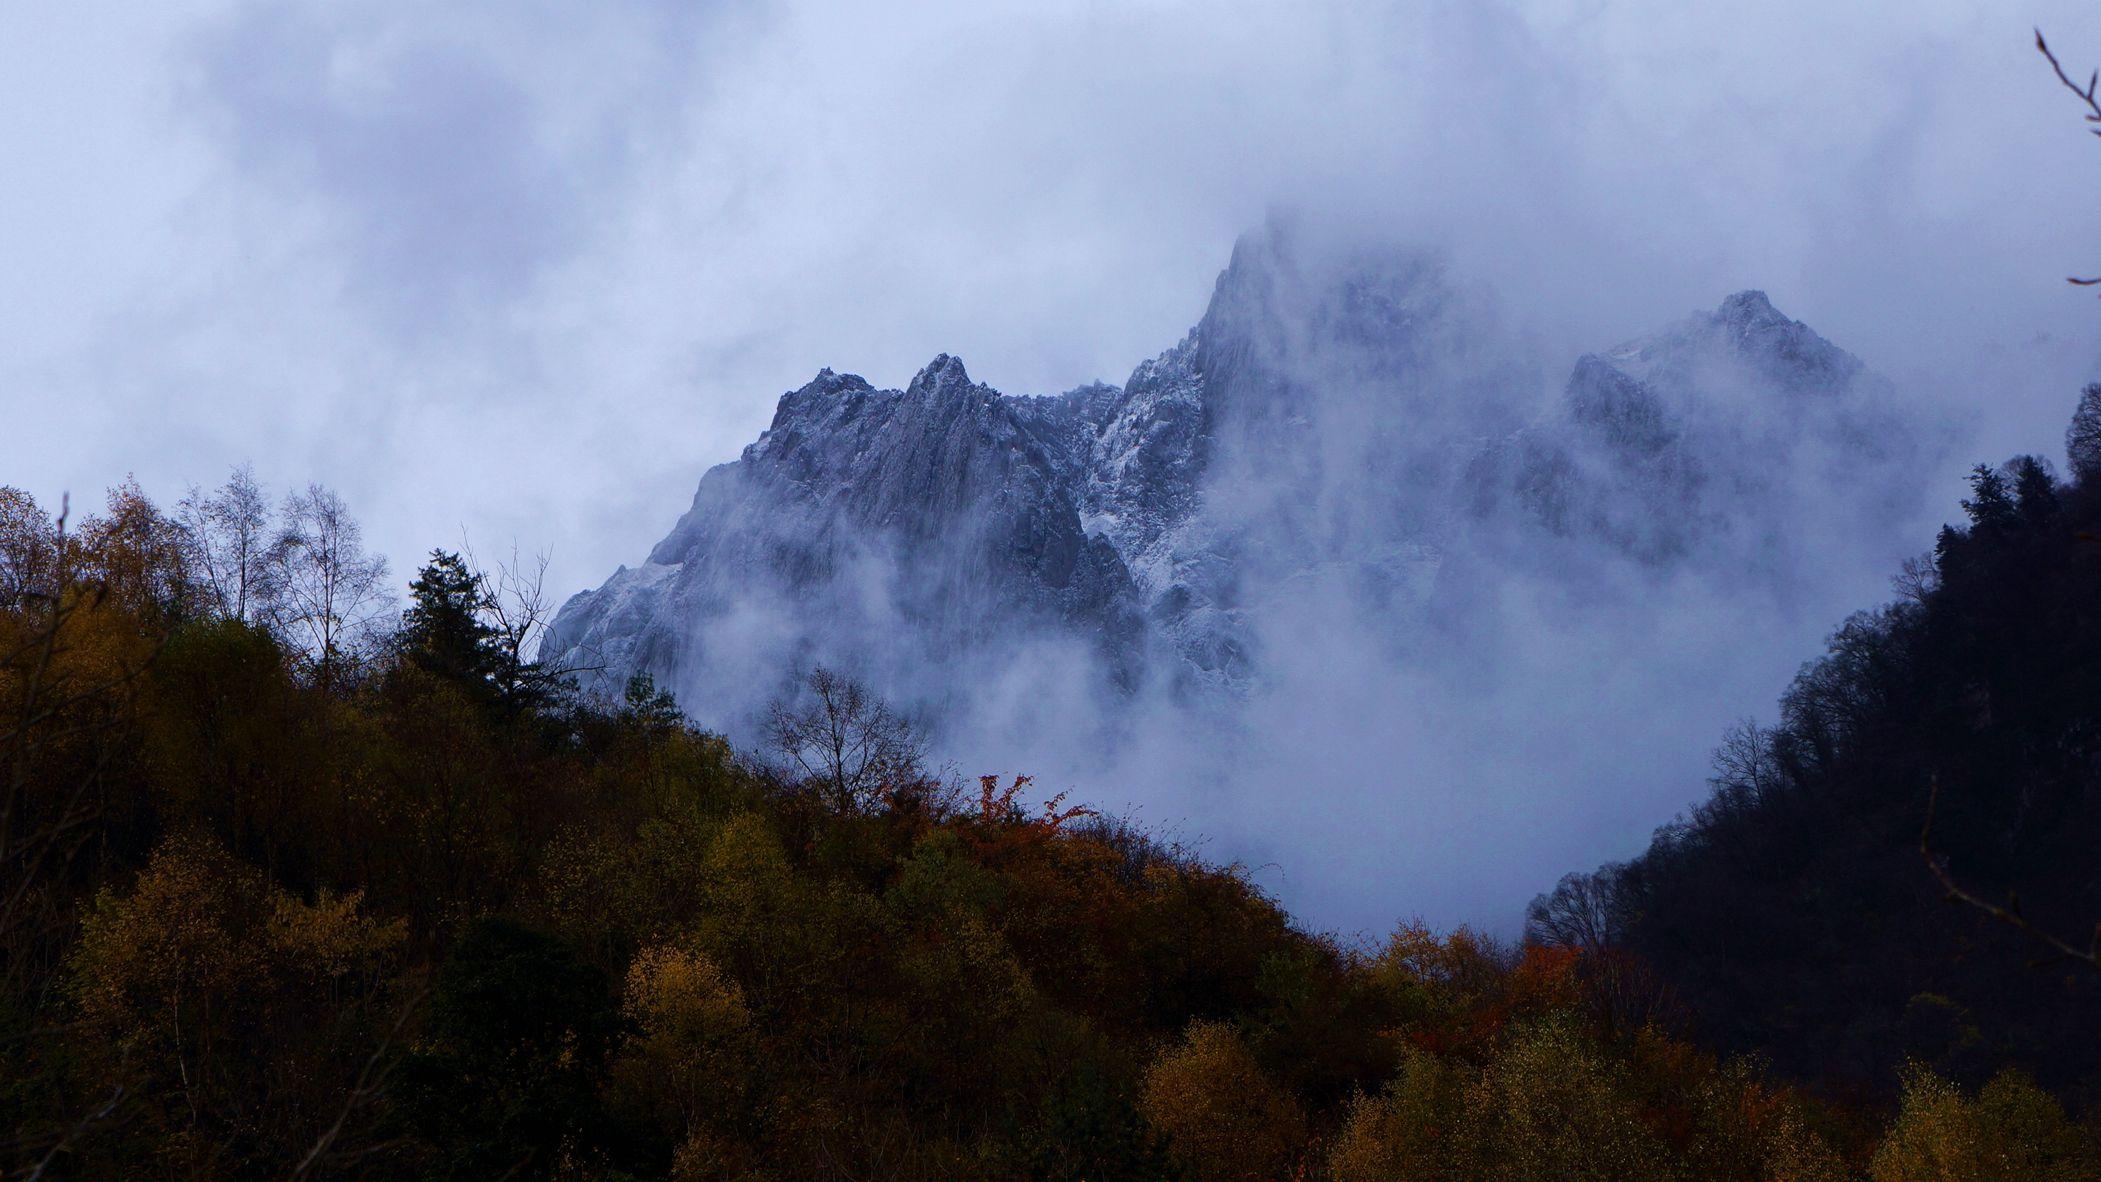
431 172
453 158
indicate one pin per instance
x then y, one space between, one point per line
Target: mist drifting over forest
1341 572
526 278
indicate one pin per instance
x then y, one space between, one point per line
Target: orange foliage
1000 825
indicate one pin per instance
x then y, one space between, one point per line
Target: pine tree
443 630
649 706
1990 504
2035 492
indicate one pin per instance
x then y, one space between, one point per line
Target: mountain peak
1788 351
829 382
941 375
1750 309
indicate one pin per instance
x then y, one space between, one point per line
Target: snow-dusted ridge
1325 429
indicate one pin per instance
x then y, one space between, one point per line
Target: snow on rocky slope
1333 426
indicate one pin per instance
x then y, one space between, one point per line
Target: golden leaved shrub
1223 1117
2011 1129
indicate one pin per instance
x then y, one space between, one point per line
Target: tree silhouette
844 743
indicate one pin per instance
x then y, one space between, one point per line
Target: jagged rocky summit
1353 428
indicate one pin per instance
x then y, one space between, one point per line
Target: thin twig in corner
2093 107
2010 914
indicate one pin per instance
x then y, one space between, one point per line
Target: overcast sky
525 270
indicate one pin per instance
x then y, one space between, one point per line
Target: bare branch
371 1082
845 742
2010 914
2093 106
71 1135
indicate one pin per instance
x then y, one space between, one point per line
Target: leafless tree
330 592
1743 764
230 532
1916 579
1576 914
844 743
515 606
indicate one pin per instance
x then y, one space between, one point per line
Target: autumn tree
1405 1130
29 549
139 555
216 1000
71 654
2010 1129
686 1060
1218 1110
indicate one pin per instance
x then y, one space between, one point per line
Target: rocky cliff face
1733 435
1334 425
902 526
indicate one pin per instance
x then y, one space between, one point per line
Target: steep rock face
1304 435
1348 427
1726 431
943 508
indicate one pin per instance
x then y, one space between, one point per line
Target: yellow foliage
1550 1103
29 554
637 884
1404 1131
703 1158
745 868
1551 1106
679 998
1219 1112
2012 1129
688 1060
138 553
329 937
1793 1152
184 934
198 930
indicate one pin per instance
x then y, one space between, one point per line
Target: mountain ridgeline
1351 423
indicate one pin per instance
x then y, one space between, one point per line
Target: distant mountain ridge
1351 420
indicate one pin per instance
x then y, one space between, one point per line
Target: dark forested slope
1794 912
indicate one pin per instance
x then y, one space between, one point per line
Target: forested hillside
297 888
1796 913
